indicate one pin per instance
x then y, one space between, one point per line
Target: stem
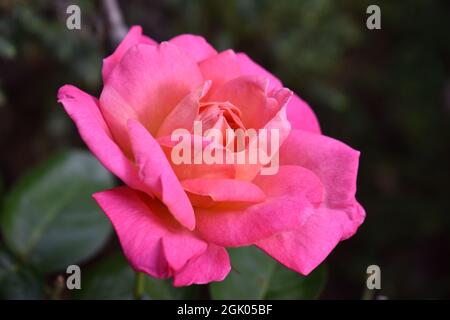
367 294
117 27
139 286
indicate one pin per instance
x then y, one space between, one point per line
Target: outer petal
212 265
291 196
207 192
249 67
299 113
155 171
147 232
146 85
177 253
301 116
84 111
196 46
335 163
339 215
220 68
304 249
133 37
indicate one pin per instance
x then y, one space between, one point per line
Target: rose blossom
175 220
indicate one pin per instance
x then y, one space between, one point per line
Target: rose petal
184 114
305 248
191 169
335 163
196 46
290 198
155 172
219 69
207 192
148 235
249 67
301 116
146 85
84 111
338 216
212 265
133 37
281 126
250 95
177 253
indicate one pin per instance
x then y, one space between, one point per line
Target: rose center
220 115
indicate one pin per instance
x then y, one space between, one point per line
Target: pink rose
175 220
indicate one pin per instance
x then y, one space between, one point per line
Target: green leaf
255 275
164 290
113 278
17 282
50 219
289 285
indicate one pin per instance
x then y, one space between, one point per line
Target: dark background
384 92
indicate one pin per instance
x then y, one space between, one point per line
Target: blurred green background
384 92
